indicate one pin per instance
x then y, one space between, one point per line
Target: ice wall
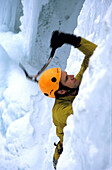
10 13
26 130
25 114
61 15
39 20
36 20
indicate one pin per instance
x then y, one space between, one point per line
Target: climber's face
69 80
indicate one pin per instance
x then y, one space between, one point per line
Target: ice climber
57 84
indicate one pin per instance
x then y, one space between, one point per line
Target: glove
58 152
60 38
59 147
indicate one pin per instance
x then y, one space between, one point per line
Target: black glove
59 147
60 38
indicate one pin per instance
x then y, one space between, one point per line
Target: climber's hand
57 39
60 38
59 147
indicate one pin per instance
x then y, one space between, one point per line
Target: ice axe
34 78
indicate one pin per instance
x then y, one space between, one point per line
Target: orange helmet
49 81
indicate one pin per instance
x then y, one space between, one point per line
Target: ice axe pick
34 78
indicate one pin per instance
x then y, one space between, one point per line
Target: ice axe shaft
34 78
49 60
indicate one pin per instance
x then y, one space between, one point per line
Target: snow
27 133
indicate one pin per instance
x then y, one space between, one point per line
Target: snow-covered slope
27 133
